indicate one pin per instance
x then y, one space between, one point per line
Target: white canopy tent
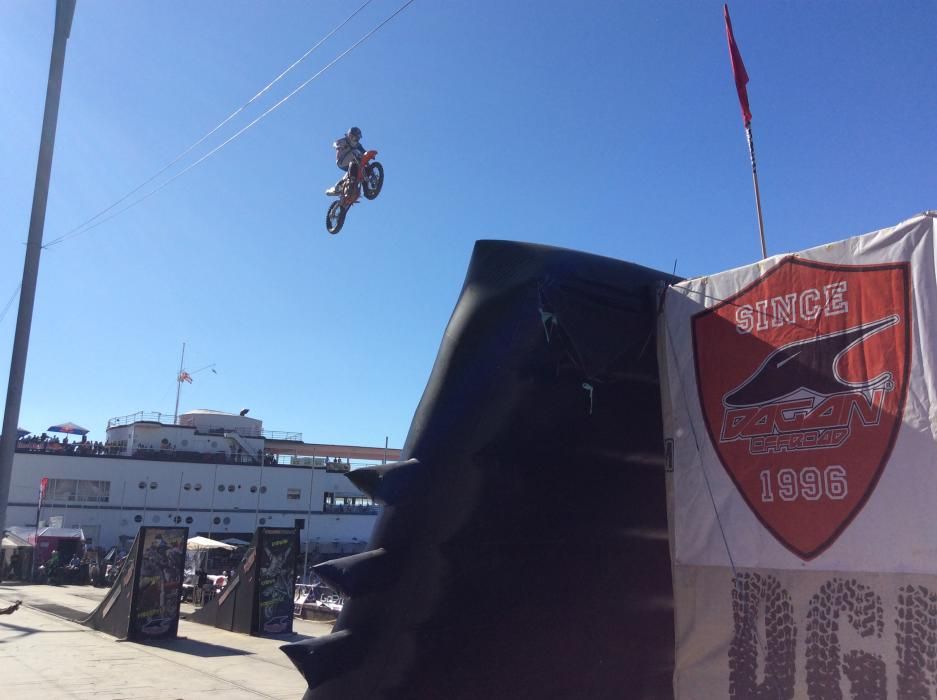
198 548
199 543
11 541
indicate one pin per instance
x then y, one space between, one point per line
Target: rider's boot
336 189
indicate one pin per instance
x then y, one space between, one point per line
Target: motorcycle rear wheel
335 218
373 180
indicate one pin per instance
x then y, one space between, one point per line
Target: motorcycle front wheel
373 180
335 217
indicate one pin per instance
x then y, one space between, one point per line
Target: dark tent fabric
522 551
233 608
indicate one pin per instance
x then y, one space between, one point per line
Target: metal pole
64 11
146 496
120 516
259 489
179 499
312 473
211 514
761 224
175 418
32 571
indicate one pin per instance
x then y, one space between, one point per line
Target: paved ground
45 656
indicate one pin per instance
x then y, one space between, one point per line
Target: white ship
220 474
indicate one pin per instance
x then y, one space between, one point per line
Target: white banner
800 414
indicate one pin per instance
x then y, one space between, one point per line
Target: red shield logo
802 379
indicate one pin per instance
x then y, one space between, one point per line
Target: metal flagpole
175 418
740 76
64 11
761 224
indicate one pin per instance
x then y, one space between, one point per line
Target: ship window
188 487
263 521
293 494
153 484
221 487
227 521
198 487
79 490
142 484
216 520
138 518
188 520
348 503
263 489
214 444
253 489
230 488
177 519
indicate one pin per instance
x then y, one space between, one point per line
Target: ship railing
167 419
251 433
142 417
282 435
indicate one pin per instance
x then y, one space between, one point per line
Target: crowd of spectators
358 509
87 448
44 443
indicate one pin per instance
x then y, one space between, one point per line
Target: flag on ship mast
741 81
185 377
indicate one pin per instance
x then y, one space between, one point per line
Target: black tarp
522 551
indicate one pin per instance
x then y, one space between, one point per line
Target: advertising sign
278 548
159 583
799 399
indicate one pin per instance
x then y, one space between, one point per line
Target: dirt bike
369 180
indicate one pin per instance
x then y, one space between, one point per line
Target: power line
10 302
238 133
78 229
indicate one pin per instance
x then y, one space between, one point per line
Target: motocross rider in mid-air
348 152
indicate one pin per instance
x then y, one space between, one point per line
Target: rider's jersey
345 152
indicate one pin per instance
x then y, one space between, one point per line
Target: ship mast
175 417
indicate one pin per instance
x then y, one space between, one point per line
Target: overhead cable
78 229
10 302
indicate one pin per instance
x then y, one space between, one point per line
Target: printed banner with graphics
799 411
159 583
277 571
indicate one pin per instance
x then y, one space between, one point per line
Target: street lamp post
64 11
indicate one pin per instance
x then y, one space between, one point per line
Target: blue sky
610 127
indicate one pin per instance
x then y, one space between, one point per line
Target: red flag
185 377
738 69
43 485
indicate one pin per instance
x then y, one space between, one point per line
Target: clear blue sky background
611 127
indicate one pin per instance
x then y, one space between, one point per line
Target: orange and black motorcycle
369 180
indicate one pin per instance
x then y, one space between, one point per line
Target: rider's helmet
354 133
